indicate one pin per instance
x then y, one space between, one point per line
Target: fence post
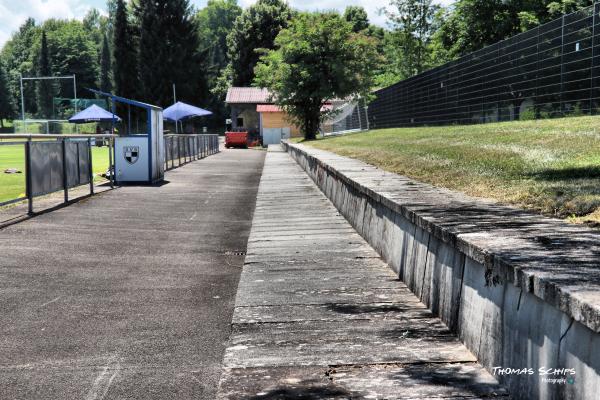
90 172
562 64
111 163
64 171
28 183
593 59
172 151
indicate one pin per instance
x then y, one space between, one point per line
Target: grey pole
75 90
23 104
175 101
359 119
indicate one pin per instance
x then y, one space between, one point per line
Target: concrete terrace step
320 316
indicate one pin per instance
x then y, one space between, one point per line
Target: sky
14 12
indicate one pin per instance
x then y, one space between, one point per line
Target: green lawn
12 186
551 166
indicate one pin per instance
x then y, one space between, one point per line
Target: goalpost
45 123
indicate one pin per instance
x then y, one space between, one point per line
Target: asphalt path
128 294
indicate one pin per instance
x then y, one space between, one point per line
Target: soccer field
12 186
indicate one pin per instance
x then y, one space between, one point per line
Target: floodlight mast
43 78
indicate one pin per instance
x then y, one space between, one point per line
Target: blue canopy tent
93 113
181 111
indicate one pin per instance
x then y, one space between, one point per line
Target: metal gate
275 135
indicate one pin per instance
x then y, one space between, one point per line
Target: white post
22 105
75 97
175 101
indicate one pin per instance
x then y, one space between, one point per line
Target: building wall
279 120
248 112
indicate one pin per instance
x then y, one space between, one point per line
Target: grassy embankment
551 166
12 186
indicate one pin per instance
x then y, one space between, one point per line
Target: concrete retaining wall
521 291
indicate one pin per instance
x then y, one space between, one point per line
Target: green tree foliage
96 26
214 22
413 25
168 52
105 67
18 55
57 47
473 24
125 72
72 51
317 58
45 87
357 17
256 28
6 105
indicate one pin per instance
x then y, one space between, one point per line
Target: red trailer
236 139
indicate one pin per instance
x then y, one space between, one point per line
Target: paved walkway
319 316
128 294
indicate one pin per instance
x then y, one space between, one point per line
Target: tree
125 53
474 24
72 52
45 88
19 55
214 23
412 22
318 58
105 67
256 28
6 105
357 17
169 52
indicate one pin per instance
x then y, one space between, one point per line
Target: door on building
274 135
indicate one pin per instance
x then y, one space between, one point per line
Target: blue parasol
93 113
180 111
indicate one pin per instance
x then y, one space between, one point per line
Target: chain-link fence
550 71
51 127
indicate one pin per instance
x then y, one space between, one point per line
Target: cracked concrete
128 294
520 290
319 315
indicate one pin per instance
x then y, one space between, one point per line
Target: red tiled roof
237 95
271 108
268 108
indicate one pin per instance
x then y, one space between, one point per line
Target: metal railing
57 162
183 148
62 162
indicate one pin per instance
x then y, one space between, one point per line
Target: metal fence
184 148
346 117
56 162
62 162
549 71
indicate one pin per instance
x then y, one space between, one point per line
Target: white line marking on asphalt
193 216
102 383
51 301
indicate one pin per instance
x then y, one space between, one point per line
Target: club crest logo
131 153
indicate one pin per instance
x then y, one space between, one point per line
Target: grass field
12 186
551 166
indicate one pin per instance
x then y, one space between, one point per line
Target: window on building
240 121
